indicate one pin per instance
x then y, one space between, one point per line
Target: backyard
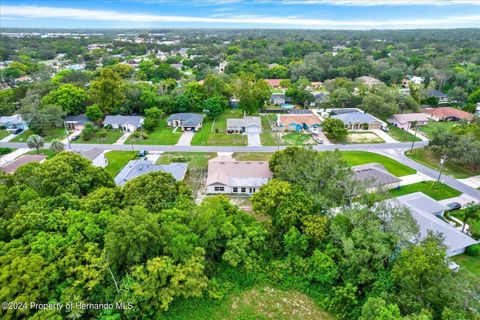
161 135
117 160
102 136
433 189
472 264
433 126
213 132
52 133
401 135
427 157
354 158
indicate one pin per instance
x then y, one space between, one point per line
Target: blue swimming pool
288 106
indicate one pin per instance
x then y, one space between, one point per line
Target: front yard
297 139
363 137
252 156
3 134
162 135
354 158
401 135
103 136
433 189
433 126
431 159
52 133
213 132
117 160
268 137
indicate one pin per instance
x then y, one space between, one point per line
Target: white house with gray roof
124 123
186 121
375 175
244 125
356 119
136 168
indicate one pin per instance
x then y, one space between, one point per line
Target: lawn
213 132
433 126
162 135
297 139
267 137
431 159
111 137
3 134
50 154
52 133
252 156
472 264
117 160
354 158
401 135
433 189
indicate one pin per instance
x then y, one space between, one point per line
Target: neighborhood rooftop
28 158
188 119
123 120
244 122
374 174
308 119
449 112
136 168
228 171
355 117
410 117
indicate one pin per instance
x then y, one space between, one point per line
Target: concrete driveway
254 139
185 138
385 136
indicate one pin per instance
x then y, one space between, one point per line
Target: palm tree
471 212
35 142
56 146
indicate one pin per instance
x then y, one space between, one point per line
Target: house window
235 189
219 188
244 189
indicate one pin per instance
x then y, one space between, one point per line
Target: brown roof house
229 176
448 114
25 159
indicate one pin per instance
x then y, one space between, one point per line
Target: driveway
124 137
254 139
185 138
385 136
414 178
419 134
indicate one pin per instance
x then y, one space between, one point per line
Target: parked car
385 129
18 131
318 139
453 206
74 138
142 153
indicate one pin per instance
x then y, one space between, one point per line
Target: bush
473 250
139 135
4 150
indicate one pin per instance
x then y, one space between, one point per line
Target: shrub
473 250
4 150
102 134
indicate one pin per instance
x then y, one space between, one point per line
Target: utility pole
443 159
68 136
414 136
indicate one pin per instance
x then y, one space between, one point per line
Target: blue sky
308 14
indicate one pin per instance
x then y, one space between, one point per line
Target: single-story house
274 83
298 122
354 119
11 167
186 121
96 155
369 81
124 123
227 175
405 120
136 168
442 97
428 214
278 98
416 79
13 122
75 122
244 125
375 175
448 114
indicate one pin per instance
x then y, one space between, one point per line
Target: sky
282 14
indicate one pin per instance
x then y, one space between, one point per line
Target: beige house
405 120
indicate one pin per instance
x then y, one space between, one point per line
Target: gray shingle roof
80 119
375 174
244 122
123 120
188 119
355 117
438 94
136 168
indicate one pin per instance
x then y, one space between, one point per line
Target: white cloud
384 2
38 12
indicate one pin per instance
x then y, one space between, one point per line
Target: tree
214 106
42 119
94 113
251 93
35 142
377 309
335 128
152 118
88 131
72 99
108 90
471 213
56 146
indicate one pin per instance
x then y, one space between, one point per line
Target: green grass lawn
208 135
112 136
297 139
267 137
50 154
431 159
472 264
252 156
3 134
4 150
53 133
354 158
162 135
433 126
433 189
117 160
401 135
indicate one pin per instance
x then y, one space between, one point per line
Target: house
244 125
405 120
227 175
222 66
477 110
23 79
298 122
13 122
416 80
23 160
274 83
369 81
375 175
136 168
183 52
442 97
278 98
75 122
177 66
186 121
448 114
96 156
428 214
355 119
124 123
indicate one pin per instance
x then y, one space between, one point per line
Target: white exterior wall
230 190
100 161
